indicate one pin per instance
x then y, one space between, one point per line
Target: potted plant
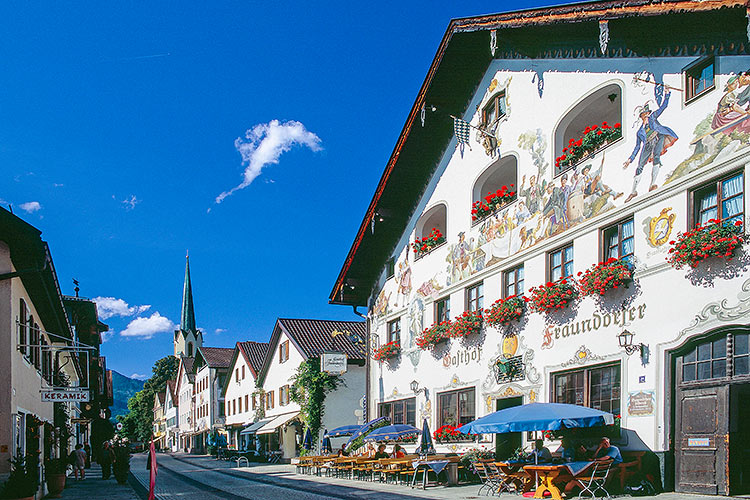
491 203
594 138
468 323
55 470
552 296
121 465
503 311
387 351
604 276
447 434
715 239
432 336
23 482
425 245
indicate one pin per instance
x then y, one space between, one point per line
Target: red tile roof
315 336
255 353
217 357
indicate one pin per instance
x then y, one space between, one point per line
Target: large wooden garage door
701 439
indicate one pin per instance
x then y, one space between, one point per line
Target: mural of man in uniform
654 139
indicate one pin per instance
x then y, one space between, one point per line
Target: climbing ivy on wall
259 395
309 388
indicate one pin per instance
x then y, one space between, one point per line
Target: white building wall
665 301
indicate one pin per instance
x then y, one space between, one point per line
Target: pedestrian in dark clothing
106 457
87 449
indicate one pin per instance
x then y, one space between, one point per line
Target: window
501 173
618 241
706 361
237 375
239 405
394 330
34 342
741 354
602 105
596 387
723 199
434 218
229 408
284 351
221 410
494 110
513 282
561 263
243 372
269 400
699 78
234 406
403 411
190 349
284 395
475 297
22 329
456 408
390 268
443 310
247 400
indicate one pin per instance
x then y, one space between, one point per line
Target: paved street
187 477
94 488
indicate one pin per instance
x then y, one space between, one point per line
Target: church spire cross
187 318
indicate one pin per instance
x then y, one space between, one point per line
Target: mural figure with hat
652 140
730 115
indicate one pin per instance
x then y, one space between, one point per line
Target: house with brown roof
240 384
170 416
210 368
294 342
160 422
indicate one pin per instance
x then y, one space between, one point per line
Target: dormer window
494 188
431 230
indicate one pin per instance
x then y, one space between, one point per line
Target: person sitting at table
343 452
368 451
541 453
398 452
381 452
573 452
607 451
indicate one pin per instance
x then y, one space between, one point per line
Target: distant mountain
123 388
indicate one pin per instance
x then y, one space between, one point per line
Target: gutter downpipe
367 363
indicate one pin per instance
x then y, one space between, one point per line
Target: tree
139 422
309 388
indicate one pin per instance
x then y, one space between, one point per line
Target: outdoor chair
596 481
488 476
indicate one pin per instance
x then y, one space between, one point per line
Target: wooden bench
632 465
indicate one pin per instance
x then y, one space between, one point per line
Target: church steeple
187 318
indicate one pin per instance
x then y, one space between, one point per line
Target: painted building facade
538 82
240 393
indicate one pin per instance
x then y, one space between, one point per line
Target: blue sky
118 132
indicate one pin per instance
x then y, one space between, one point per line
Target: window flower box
468 323
492 203
715 239
387 351
448 434
552 296
425 245
593 139
503 311
605 276
433 335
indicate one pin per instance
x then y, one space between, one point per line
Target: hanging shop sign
462 357
333 363
595 322
65 395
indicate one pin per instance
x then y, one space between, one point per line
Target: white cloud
148 327
264 144
30 206
219 330
107 335
130 203
138 376
110 306
57 185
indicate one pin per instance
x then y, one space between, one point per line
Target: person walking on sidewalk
87 449
79 465
106 457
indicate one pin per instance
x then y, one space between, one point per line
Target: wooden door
701 439
506 444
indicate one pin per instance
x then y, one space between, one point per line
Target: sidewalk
94 488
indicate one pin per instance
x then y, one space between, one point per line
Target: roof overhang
463 56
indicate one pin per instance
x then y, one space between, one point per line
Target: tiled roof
171 387
255 353
315 336
217 357
161 395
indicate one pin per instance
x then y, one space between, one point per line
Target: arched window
711 358
501 174
601 108
432 222
190 349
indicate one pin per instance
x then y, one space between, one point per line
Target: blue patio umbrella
538 417
364 429
307 443
346 430
325 446
391 432
425 446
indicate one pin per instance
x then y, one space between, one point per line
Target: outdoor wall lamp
415 387
626 342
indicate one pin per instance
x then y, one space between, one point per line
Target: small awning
250 429
277 422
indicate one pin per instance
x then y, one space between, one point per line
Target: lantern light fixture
625 339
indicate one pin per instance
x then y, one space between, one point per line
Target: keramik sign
65 395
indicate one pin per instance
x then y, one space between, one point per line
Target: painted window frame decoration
622 236
394 330
718 188
693 76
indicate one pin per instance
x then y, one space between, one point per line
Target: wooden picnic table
549 474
